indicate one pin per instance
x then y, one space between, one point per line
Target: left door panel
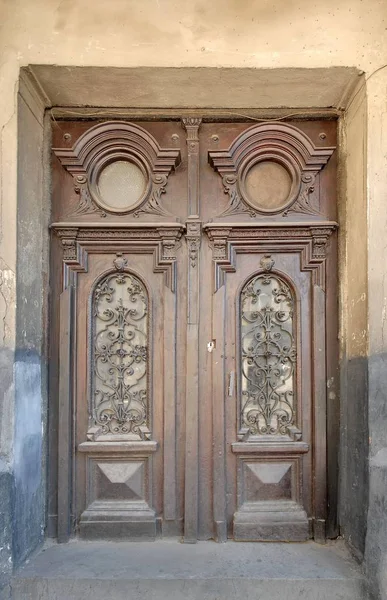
119 316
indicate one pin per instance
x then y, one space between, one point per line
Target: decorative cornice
159 239
309 240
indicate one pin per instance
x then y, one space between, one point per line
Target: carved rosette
114 141
281 145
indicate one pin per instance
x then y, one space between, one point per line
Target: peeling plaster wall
354 329
376 541
227 33
124 33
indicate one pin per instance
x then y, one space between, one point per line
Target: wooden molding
113 141
310 240
159 239
279 143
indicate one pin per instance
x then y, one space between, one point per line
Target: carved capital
170 237
219 238
191 125
68 238
320 242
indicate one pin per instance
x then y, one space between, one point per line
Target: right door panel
271 242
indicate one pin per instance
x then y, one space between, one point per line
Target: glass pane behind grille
268 349
121 184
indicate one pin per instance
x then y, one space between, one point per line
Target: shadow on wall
29 493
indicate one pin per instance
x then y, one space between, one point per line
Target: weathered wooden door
193 346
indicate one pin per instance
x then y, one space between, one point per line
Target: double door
193 330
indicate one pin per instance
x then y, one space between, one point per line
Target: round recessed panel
121 185
268 185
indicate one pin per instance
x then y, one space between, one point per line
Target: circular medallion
121 185
268 185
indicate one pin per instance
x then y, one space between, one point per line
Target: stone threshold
206 570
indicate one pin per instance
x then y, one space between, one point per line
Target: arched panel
119 168
268 355
120 356
270 169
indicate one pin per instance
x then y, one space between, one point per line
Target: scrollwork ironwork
268 355
120 356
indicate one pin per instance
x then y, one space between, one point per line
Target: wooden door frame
79 238
32 93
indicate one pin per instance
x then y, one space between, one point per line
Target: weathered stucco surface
353 321
124 33
259 34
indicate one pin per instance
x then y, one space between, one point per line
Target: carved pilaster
191 125
193 236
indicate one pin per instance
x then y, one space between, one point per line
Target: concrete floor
206 570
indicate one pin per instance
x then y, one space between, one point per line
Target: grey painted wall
31 330
354 477
376 546
23 468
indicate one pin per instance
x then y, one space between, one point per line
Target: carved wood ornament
229 239
107 143
159 239
135 375
285 146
